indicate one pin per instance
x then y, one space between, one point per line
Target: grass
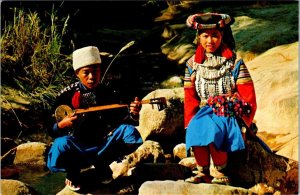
31 60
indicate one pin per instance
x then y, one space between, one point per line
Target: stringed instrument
64 110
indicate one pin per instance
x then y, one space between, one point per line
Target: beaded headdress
208 21
202 21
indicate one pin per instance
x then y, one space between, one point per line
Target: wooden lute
64 110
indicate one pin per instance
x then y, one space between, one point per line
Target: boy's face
89 75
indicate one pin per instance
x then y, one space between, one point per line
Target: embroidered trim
244 75
187 78
69 88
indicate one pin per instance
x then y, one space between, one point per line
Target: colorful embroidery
229 106
244 75
187 78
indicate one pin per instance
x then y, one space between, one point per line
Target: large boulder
181 187
258 165
275 76
166 124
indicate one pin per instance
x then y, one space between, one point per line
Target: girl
220 100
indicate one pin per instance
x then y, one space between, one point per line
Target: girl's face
210 39
89 76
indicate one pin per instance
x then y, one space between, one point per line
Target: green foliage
30 55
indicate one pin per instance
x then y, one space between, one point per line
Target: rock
168 32
119 169
179 151
15 187
275 76
32 155
172 82
180 53
166 124
291 178
149 151
256 165
66 191
289 148
184 188
261 188
189 162
160 171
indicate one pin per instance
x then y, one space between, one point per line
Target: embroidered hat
86 56
208 20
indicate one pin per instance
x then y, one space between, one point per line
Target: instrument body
64 110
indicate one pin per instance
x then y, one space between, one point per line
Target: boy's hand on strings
135 108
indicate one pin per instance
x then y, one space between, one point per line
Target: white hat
86 56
